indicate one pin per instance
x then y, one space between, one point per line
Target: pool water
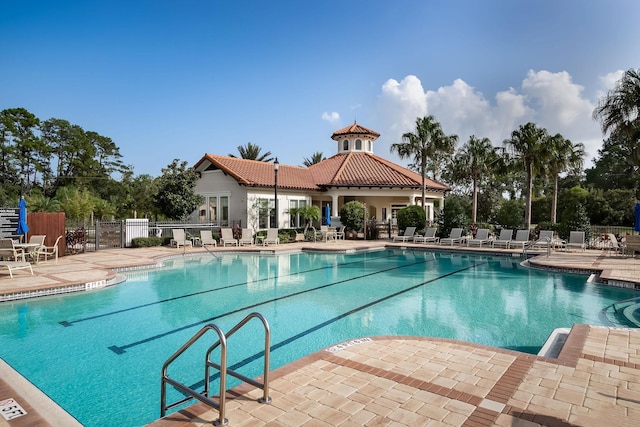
99 354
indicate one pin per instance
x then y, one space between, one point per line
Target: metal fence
97 235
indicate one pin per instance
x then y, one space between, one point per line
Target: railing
222 367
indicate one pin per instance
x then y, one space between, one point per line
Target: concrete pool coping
92 270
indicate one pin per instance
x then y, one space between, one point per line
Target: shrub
412 216
352 215
145 242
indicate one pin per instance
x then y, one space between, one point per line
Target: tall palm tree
426 142
564 156
252 152
527 147
474 161
316 157
619 110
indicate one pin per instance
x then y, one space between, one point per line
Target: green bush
511 214
412 216
352 215
145 242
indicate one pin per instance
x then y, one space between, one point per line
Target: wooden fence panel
50 224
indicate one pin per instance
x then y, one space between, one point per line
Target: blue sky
178 79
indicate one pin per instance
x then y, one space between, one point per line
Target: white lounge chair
521 240
504 239
544 239
206 238
482 237
271 237
631 245
247 237
429 236
180 238
455 236
227 237
576 240
406 236
47 251
15 265
614 245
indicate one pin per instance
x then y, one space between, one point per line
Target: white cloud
332 117
609 80
551 100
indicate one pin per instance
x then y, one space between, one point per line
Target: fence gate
109 234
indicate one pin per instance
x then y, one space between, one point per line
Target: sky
177 79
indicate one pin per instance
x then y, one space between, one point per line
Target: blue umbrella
636 212
22 217
327 214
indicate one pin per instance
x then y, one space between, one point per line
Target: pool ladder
222 367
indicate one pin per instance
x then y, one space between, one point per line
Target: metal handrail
222 367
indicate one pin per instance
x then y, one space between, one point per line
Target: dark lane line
124 310
121 349
319 326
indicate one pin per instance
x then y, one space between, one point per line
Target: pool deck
399 381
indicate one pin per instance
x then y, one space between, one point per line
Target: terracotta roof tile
355 129
342 170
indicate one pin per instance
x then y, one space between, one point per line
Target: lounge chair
271 237
180 238
504 239
631 244
8 252
15 265
482 237
206 238
406 236
227 237
576 240
455 236
340 234
47 251
429 236
247 237
521 240
614 245
544 239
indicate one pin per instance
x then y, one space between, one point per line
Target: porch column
334 205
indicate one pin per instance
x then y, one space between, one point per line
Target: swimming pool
99 354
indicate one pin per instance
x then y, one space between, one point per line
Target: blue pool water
99 354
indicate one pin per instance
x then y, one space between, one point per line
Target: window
358 144
345 145
296 220
368 145
215 209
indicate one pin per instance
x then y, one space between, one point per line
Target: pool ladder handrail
222 367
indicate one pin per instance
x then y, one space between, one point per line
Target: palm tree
309 213
252 152
427 142
527 146
564 156
316 157
619 110
474 162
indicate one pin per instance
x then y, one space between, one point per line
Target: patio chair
455 236
576 240
429 236
631 244
8 252
15 265
406 236
340 234
206 238
47 251
227 237
521 240
247 237
180 238
482 237
614 245
271 237
504 239
544 239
